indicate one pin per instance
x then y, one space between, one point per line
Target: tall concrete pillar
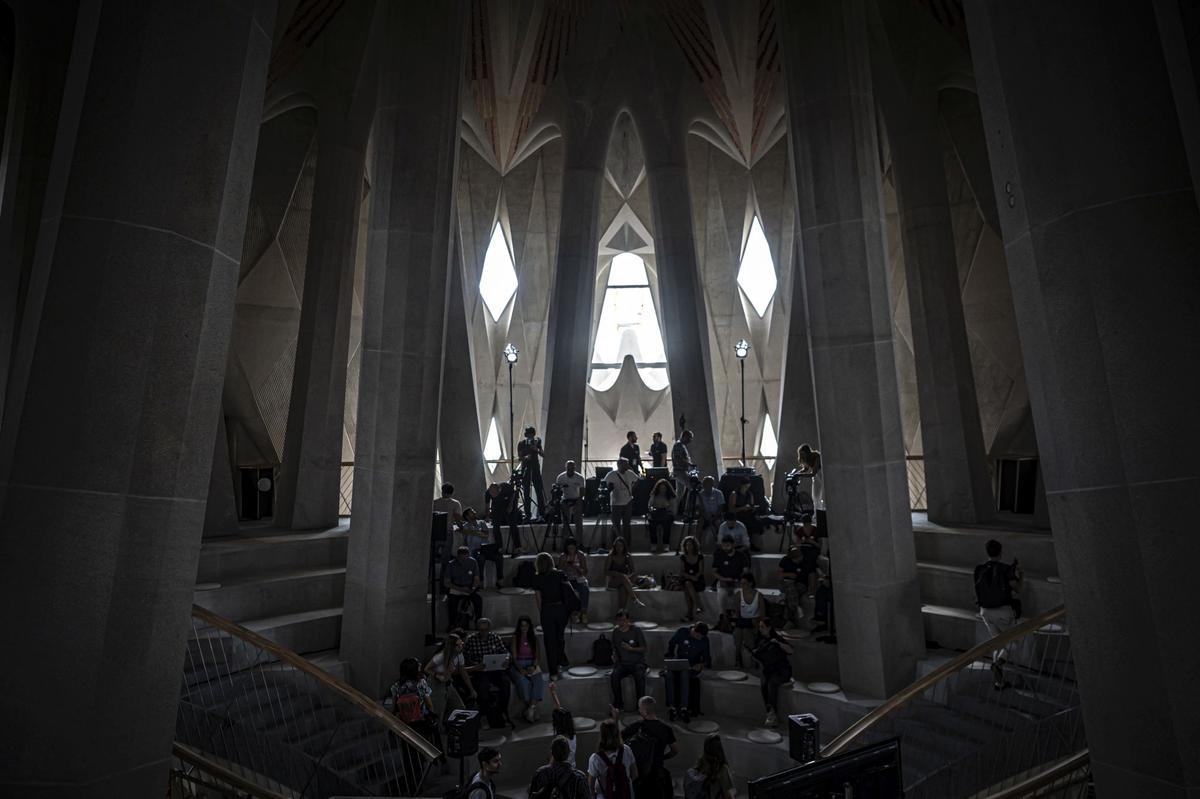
220 510
1101 232
310 479
107 443
958 487
798 407
835 155
460 442
416 140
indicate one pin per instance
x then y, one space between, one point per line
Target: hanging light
510 353
742 348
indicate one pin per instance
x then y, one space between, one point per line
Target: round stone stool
645 625
824 687
601 626
795 634
493 738
504 632
584 724
1054 579
763 736
512 590
703 727
732 675
582 671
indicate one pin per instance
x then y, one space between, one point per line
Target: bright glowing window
493 452
498 280
768 447
628 326
756 274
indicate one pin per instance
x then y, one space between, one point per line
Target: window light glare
492 451
756 274
498 280
769 446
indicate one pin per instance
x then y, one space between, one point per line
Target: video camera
693 477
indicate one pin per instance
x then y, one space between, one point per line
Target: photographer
995 584
500 507
571 485
529 451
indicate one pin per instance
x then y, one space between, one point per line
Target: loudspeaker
439 531
804 737
462 733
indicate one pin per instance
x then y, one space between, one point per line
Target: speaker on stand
804 737
462 738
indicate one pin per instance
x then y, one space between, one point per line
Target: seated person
742 505
478 538
485 642
461 581
683 687
710 504
729 565
629 657
734 529
795 572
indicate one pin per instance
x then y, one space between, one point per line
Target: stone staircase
288 587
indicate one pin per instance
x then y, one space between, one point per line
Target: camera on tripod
693 478
553 512
792 480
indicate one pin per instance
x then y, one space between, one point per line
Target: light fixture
741 350
510 357
511 352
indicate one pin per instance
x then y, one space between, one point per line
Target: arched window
756 273
628 326
498 280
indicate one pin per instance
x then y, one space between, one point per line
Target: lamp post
741 350
510 355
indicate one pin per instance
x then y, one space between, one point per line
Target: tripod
603 519
518 502
690 516
797 508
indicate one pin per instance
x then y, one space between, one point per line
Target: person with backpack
652 742
711 777
559 779
443 667
412 698
995 584
556 600
563 723
629 648
612 769
483 784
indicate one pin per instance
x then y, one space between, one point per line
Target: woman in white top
611 756
442 667
750 608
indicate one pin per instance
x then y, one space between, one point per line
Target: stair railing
975 727
271 716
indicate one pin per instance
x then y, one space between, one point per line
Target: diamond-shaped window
498 280
493 452
768 447
756 274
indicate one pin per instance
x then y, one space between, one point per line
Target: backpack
570 597
562 722
525 574
695 785
991 585
558 788
602 652
616 778
644 747
408 708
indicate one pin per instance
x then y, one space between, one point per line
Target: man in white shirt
573 484
620 497
448 504
734 529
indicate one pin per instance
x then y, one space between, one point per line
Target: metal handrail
197 758
1048 777
337 686
953 666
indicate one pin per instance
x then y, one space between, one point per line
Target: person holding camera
995 584
620 484
500 507
571 484
529 451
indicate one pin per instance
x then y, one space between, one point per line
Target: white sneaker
771 720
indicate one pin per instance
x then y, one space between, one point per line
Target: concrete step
307 631
240 556
272 593
943 584
965 547
597 534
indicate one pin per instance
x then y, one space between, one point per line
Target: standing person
620 498
711 506
658 451
683 687
729 565
808 462
483 784
681 462
525 672
612 769
772 653
559 777
654 782
618 565
712 771
661 515
691 568
732 528
572 484
441 668
564 724
795 575
478 538
447 504
412 699
995 583
461 581
493 687
631 453
529 451
751 609
573 563
629 657
550 588
500 507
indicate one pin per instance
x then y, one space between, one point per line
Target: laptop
676 664
495 662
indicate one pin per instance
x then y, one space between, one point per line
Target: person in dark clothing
629 653
772 653
683 687
500 507
559 774
996 583
658 451
631 452
656 782
493 687
461 580
529 451
550 592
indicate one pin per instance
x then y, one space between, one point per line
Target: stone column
107 443
835 154
310 479
1101 232
798 408
220 510
416 140
459 439
958 487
